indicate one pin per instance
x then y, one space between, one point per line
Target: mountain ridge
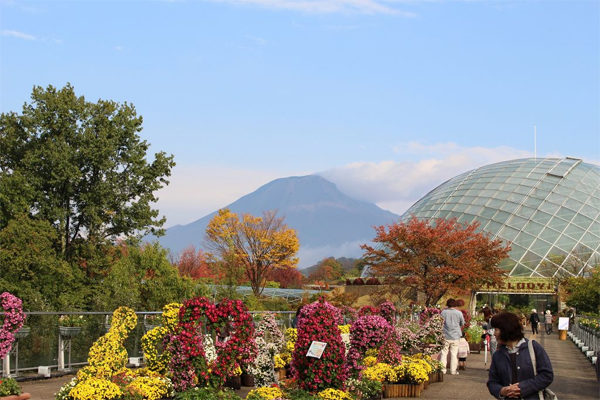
327 222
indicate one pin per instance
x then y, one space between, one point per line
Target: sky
386 98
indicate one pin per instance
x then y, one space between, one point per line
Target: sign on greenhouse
522 285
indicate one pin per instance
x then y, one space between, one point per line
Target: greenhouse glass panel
566 213
521 270
582 221
548 207
566 243
541 217
525 239
518 196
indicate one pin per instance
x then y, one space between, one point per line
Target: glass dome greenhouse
547 208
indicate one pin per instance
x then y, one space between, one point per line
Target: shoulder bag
545 394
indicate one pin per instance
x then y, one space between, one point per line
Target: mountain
327 222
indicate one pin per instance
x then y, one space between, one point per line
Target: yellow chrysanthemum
334 394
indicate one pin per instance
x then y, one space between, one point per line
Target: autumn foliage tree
288 277
258 244
436 257
194 264
328 269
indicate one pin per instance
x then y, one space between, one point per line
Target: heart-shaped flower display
232 326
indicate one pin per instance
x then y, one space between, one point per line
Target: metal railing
44 344
586 338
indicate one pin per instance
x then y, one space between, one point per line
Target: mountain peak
327 222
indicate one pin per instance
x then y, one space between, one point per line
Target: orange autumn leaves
435 257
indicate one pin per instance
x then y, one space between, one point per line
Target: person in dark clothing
534 319
295 320
511 372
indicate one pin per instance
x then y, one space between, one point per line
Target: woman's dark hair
450 303
510 326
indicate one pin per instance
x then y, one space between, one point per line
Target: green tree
583 293
32 269
144 279
81 166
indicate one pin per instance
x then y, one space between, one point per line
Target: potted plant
10 390
473 335
69 325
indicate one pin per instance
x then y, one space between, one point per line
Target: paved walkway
574 377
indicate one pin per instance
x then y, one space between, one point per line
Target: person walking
463 352
548 320
512 373
453 321
534 320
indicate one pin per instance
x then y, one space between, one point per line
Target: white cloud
396 185
119 48
18 35
326 6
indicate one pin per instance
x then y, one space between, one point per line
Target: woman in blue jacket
511 372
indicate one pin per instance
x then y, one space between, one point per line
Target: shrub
372 281
358 281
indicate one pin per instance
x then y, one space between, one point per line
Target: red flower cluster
318 322
229 320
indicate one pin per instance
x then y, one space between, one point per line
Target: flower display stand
392 390
436 377
66 333
69 332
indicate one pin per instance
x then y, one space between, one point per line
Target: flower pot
392 390
234 382
69 331
23 332
247 380
436 377
280 373
22 396
475 347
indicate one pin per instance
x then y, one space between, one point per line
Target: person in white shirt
453 321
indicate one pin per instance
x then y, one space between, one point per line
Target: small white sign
563 323
316 349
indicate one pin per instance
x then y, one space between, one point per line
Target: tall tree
435 257
81 166
257 244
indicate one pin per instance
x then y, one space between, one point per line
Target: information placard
316 349
563 323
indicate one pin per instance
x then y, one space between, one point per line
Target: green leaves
82 165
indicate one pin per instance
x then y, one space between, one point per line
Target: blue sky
385 98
